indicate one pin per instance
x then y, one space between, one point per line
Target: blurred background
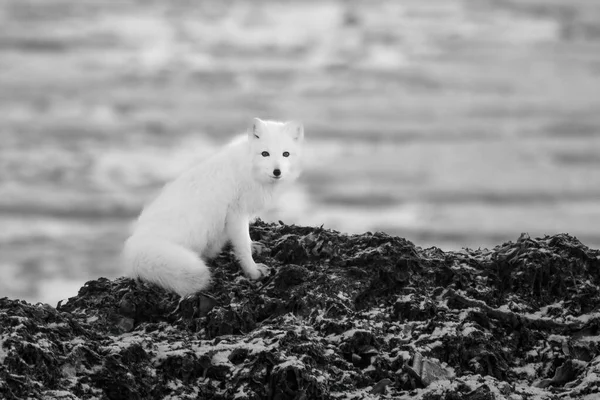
451 123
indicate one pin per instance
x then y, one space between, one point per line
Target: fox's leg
167 264
215 247
237 228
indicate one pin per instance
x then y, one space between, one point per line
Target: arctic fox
211 204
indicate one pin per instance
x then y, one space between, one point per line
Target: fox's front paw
260 271
264 270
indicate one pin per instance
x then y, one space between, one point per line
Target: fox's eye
286 153
265 154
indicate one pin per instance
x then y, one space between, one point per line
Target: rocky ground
340 317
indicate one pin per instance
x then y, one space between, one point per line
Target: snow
529 370
449 329
221 358
59 395
435 344
241 392
342 296
53 325
543 311
469 329
595 339
407 298
557 338
292 361
532 353
587 317
3 352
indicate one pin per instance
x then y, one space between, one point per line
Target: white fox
211 204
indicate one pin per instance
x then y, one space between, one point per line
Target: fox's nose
276 172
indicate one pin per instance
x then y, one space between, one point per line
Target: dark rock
352 315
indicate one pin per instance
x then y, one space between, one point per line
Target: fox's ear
255 128
296 129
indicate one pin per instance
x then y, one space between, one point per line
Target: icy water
451 123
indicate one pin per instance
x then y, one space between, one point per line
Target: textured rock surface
357 317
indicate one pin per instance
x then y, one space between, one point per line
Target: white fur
211 204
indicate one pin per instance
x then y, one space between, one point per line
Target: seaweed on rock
340 316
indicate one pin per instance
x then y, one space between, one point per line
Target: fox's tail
167 264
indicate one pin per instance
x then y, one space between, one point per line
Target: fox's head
276 148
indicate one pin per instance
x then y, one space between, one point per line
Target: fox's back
196 203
